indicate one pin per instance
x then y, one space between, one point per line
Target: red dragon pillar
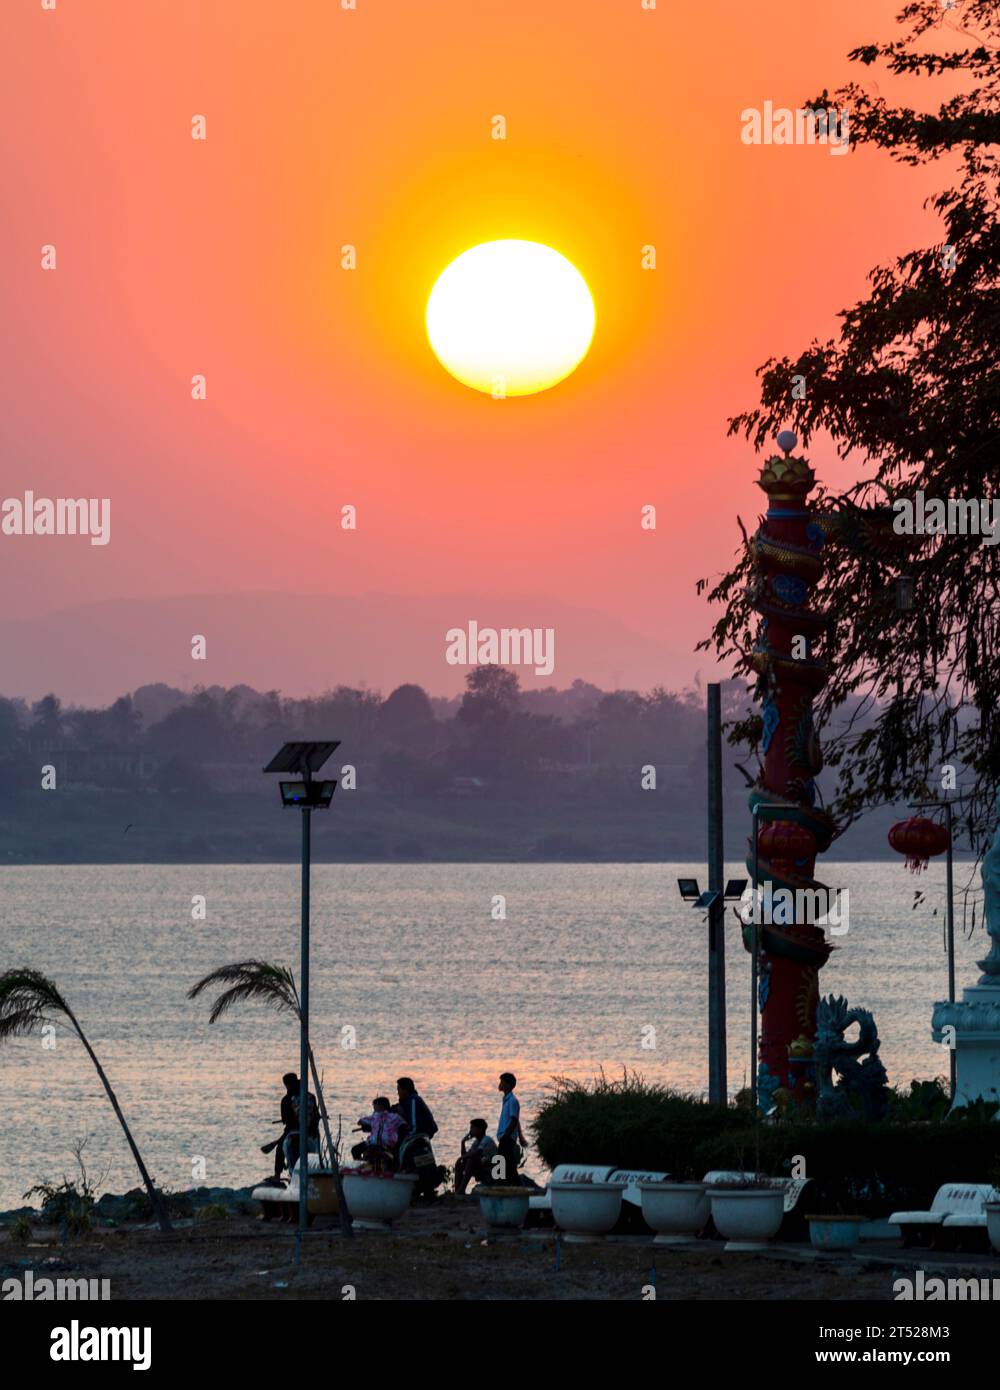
788 563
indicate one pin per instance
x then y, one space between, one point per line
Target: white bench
630 1178
283 1202
569 1172
957 1206
791 1188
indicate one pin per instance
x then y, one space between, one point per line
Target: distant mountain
306 643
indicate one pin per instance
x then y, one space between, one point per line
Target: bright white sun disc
510 317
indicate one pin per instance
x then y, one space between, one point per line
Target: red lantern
919 839
785 841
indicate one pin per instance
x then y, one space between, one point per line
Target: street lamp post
308 795
714 901
950 914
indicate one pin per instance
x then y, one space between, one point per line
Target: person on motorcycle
414 1109
384 1129
415 1151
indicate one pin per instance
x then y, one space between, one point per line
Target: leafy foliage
273 985
65 1204
856 1166
911 388
27 998
629 1123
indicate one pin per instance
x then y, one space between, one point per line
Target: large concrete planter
992 1210
834 1233
676 1211
376 1200
747 1216
585 1211
503 1208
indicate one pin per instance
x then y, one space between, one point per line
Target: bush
874 1168
65 1205
20 1230
628 1123
870 1168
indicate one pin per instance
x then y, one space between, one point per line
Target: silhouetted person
289 1120
510 1136
476 1161
414 1109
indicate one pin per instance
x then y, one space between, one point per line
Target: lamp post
308 795
950 914
713 902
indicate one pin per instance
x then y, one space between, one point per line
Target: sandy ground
442 1252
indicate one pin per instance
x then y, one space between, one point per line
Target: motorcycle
414 1155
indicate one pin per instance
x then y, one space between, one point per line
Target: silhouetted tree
491 696
912 387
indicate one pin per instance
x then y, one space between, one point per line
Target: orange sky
372 127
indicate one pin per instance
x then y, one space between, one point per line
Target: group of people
493 1161
482 1159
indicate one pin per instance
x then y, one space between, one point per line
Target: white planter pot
503 1208
676 1211
748 1217
993 1224
585 1211
374 1201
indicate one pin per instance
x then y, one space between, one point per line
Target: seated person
384 1128
477 1160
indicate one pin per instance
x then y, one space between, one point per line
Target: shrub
856 1166
20 1230
874 1168
629 1123
65 1205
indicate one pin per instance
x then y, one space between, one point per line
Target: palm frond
26 998
273 985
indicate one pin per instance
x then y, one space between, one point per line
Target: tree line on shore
411 742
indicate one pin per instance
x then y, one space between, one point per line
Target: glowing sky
373 129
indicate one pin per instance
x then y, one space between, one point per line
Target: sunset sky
372 127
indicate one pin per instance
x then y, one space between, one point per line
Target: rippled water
409 957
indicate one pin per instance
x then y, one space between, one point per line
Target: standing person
291 1136
510 1136
414 1109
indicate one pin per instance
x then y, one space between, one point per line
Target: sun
510 318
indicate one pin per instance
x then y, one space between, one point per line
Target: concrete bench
282 1203
569 1172
791 1188
957 1207
630 1178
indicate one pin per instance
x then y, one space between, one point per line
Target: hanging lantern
919 839
785 841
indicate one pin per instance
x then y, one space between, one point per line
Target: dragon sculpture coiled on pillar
787 551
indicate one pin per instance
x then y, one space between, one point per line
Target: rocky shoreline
113 1208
